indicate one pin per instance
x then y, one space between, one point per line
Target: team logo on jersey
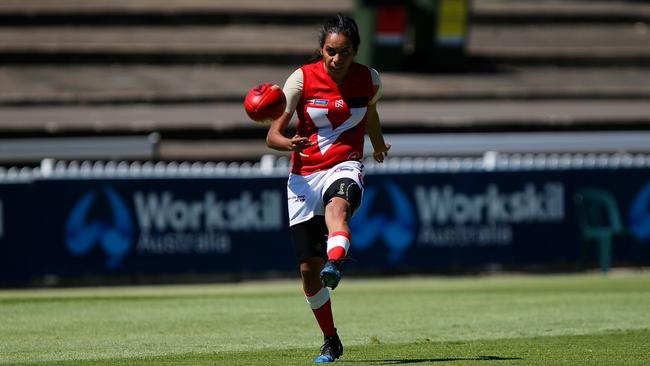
318 101
332 125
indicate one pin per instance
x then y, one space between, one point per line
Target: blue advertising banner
407 222
151 226
17 259
512 218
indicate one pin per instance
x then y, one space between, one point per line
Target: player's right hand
299 143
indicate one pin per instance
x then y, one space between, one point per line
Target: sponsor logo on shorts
318 101
297 198
341 190
354 155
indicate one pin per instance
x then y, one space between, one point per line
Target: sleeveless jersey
333 116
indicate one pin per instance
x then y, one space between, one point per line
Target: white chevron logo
327 134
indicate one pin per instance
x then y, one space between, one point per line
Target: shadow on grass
408 361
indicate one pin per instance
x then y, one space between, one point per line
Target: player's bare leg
337 214
310 272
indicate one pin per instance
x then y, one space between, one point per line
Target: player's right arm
275 138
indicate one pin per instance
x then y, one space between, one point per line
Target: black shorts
309 238
345 188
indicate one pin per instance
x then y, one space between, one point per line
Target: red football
265 102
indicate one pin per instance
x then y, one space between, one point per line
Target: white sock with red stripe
321 305
338 244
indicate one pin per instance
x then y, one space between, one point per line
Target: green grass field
502 320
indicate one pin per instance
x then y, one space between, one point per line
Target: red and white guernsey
333 116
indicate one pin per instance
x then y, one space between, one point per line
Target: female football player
336 103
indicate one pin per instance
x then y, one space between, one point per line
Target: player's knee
311 265
310 273
306 268
338 207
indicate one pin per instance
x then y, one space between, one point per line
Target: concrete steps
193 12
179 62
181 67
211 84
223 44
563 44
563 33
559 11
568 45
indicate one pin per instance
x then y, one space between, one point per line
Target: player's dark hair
340 24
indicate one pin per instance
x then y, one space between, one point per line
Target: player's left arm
379 146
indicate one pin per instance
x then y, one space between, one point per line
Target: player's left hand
380 155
